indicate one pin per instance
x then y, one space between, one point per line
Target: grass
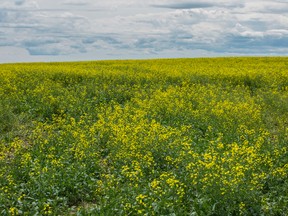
147 137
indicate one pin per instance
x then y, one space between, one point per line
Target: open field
153 137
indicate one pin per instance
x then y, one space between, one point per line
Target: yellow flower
47 209
140 199
13 211
242 208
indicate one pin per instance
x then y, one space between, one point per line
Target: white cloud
76 27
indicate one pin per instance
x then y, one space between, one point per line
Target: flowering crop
153 137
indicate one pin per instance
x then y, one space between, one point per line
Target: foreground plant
161 137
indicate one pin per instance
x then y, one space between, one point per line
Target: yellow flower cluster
161 137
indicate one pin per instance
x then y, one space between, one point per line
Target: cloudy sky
68 30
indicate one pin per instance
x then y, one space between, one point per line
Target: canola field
145 137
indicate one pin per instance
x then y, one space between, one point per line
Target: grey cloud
35 42
89 40
186 5
146 43
197 4
5 42
3 15
76 2
63 47
102 41
78 48
19 2
43 51
108 39
255 42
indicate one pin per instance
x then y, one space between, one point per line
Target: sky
76 30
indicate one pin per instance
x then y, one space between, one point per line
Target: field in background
154 137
